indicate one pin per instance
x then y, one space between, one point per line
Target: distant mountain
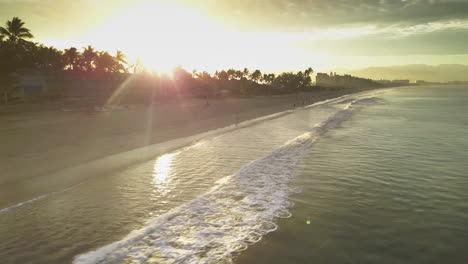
440 73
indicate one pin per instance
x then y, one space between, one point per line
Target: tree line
18 52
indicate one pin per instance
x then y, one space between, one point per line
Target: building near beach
30 84
401 82
343 81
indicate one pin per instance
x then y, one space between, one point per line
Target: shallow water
211 201
57 227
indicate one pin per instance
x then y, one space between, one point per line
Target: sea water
390 185
377 177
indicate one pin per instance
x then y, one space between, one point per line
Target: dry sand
34 145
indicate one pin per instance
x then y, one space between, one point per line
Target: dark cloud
299 15
390 16
62 18
263 15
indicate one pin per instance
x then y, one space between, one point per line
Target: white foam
114 162
237 212
368 101
8 209
118 161
214 226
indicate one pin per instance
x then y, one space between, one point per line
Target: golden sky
273 35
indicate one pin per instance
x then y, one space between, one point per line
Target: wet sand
34 145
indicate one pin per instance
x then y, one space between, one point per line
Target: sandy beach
35 145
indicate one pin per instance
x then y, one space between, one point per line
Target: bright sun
163 35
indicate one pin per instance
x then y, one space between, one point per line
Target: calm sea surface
388 186
378 177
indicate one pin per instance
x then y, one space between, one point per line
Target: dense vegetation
19 55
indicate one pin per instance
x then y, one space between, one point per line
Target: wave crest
236 213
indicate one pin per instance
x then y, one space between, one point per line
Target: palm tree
204 76
306 80
308 71
47 58
71 58
105 62
245 73
120 60
15 30
256 76
222 75
89 58
269 78
231 74
238 74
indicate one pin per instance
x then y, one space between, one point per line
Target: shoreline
52 175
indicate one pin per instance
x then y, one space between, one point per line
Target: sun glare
161 173
162 34
166 34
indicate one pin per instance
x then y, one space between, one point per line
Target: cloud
391 41
300 15
372 27
262 15
357 27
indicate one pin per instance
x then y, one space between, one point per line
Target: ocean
375 177
390 185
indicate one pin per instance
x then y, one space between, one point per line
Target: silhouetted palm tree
204 75
71 58
15 30
222 75
231 74
120 60
89 58
105 62
256 76
245 73
47 58
306 80
269 78
238 75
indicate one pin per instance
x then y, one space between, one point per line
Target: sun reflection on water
161 173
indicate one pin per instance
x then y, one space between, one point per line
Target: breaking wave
10 208
237 212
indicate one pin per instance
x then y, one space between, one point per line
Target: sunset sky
272 35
